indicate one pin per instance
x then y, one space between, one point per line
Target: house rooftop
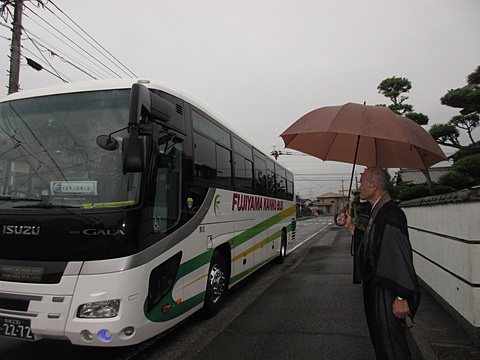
331 195
415 176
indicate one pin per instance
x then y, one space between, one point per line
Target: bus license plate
16 328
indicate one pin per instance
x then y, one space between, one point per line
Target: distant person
383 264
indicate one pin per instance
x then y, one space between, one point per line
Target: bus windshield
49 156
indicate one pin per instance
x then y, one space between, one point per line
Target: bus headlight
99 309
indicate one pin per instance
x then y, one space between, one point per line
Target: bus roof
96 85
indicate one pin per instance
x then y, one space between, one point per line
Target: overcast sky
263 64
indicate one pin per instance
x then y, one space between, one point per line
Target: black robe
385 268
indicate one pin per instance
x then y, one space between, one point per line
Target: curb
423 345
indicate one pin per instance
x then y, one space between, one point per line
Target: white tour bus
125 207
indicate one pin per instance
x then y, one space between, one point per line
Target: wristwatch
400 298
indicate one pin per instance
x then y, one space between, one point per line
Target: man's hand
400 308
347 223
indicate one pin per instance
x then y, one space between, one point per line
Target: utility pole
14 80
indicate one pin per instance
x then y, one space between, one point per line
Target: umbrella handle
335 217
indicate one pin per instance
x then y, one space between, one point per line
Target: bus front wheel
216 285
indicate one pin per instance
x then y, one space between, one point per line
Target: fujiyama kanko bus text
244 202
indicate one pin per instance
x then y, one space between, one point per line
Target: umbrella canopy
363 134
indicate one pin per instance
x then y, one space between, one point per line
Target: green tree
396 88
306 210
469 165
419 118
455 180
467 99
466 122
446 134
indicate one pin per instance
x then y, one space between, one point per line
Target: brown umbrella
365 135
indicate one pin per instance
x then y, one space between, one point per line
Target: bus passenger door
169 184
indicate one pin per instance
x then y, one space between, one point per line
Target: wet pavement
313 311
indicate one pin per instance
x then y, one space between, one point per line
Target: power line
56 74
112 72
53 54
5 12
6 26
46 60
52 49
118 61
70 40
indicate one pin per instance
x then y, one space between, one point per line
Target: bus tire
216 285
283 248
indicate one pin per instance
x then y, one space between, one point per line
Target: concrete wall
445 237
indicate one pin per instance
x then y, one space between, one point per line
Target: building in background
331 203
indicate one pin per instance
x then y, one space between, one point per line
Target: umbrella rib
331 142
422 160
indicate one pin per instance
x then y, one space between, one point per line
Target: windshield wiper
18 198
42 205
46 206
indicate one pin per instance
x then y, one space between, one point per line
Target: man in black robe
383 264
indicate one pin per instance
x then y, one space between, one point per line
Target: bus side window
271 178
243 173
281 182
261 180
213 162
168 188
223 165
205 159
290 188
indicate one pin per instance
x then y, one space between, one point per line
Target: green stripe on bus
260 227
177 309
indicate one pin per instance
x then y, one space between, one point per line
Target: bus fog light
128 331
105 335
99 309
87 335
